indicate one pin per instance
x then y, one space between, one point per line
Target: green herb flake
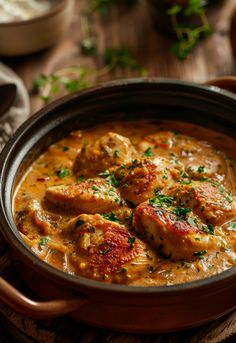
185 182
81 178
131 241
113 180
161 200
148 152
181 212
200 254
201 169
209 228
104 173
191 222
61 173
111 217
66 148
116 153
96 189
232 225
43 241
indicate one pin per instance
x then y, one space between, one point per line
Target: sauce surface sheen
137 203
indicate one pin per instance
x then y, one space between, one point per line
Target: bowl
117 307
28 36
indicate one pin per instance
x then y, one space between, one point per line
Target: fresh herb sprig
75 78
188 35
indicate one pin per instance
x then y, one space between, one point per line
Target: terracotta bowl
28 36
117 307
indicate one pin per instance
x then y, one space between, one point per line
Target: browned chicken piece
109 150
212 203
195 159
171 236
106 250
138 180
90 196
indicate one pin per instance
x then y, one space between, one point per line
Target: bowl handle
45 309
225 82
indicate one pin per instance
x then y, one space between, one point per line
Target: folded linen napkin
19 111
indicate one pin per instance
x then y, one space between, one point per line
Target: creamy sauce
17 10
47 227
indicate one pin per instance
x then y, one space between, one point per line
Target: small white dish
28 36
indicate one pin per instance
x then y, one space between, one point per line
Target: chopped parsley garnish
161 199
79 222
148 152
111 216
183 174
113 180
185 182
95 188
66 148
232 225
213 182
200 254
43 241
201 169
203 179
181 212
228 199
82 178
131 241
191 222
115 154
222 189
63 173
104 173
208 229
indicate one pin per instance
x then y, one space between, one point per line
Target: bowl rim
76 282
54 10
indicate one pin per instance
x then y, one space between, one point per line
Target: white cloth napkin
19 111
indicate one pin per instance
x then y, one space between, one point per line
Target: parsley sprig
187 34
76 78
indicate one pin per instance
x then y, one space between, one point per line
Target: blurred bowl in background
28 36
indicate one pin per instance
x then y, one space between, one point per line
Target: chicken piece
195 159
109 150
170 236
106 250
139 179
213 204
45 221
90 196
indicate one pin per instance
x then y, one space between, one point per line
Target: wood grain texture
134 28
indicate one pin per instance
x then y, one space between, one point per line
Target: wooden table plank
135 28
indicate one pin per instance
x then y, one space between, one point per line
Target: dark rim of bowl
76 282
51 12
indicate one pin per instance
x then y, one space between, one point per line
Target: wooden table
133 28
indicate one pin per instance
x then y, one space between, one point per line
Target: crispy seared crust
172 237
